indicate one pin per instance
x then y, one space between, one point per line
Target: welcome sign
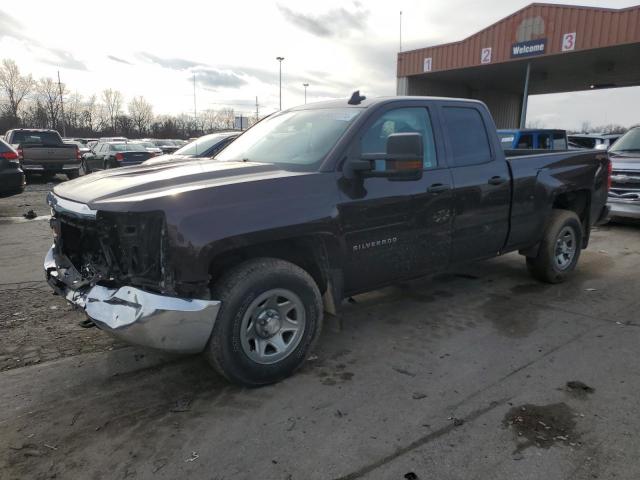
528 49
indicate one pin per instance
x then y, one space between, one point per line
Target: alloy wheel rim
565 249
272 327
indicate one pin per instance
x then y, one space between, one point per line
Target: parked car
106 155
594 140
12 178
624 196
81 146
205 146
235 257
44 152
149 146
533 139
167 146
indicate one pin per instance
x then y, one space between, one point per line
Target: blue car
533 139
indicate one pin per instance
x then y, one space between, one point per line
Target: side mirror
403 160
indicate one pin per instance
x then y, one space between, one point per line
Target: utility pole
195 110
257 110
305 85
280 59
400 30
64 125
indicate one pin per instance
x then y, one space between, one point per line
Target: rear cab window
36 138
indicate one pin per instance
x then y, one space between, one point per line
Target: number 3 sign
569 42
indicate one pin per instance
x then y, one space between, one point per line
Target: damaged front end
114 265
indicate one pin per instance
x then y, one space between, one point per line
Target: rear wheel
559 250
270 317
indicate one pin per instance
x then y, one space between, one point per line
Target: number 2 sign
569 42
485 56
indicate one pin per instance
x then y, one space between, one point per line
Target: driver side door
395 229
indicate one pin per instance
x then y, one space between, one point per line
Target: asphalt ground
482 373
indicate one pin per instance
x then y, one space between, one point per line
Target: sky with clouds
155 49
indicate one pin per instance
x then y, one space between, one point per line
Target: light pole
305 85
280 59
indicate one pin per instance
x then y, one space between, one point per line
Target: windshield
200 145
629 142
299 139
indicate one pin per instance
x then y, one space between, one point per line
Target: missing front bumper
180 325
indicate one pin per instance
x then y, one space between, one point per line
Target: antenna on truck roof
356 98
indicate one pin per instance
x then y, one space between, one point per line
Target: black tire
238 290
73 174
106 165
545 266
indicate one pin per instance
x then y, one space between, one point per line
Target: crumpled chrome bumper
180 325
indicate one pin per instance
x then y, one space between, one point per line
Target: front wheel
559 250
73 174
270 317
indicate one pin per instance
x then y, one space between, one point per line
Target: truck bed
533 171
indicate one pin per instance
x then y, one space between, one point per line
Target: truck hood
141 182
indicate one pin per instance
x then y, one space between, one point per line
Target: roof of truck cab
369 102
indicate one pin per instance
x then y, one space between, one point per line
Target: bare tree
226 119
49 95
90 114
14 86
141 113
73 107
113 104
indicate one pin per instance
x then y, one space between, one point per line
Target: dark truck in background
239 256
44 152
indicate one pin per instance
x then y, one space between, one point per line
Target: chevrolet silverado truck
44 152
624 195
239 256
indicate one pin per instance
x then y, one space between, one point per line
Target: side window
525 141
401 120
468 135
544 142
559 141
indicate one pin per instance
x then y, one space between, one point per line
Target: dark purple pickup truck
239 256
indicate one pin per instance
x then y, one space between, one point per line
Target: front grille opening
117 248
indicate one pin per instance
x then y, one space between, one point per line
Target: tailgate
49 155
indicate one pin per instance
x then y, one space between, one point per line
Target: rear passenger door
481 183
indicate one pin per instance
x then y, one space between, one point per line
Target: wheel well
579 202
309 253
